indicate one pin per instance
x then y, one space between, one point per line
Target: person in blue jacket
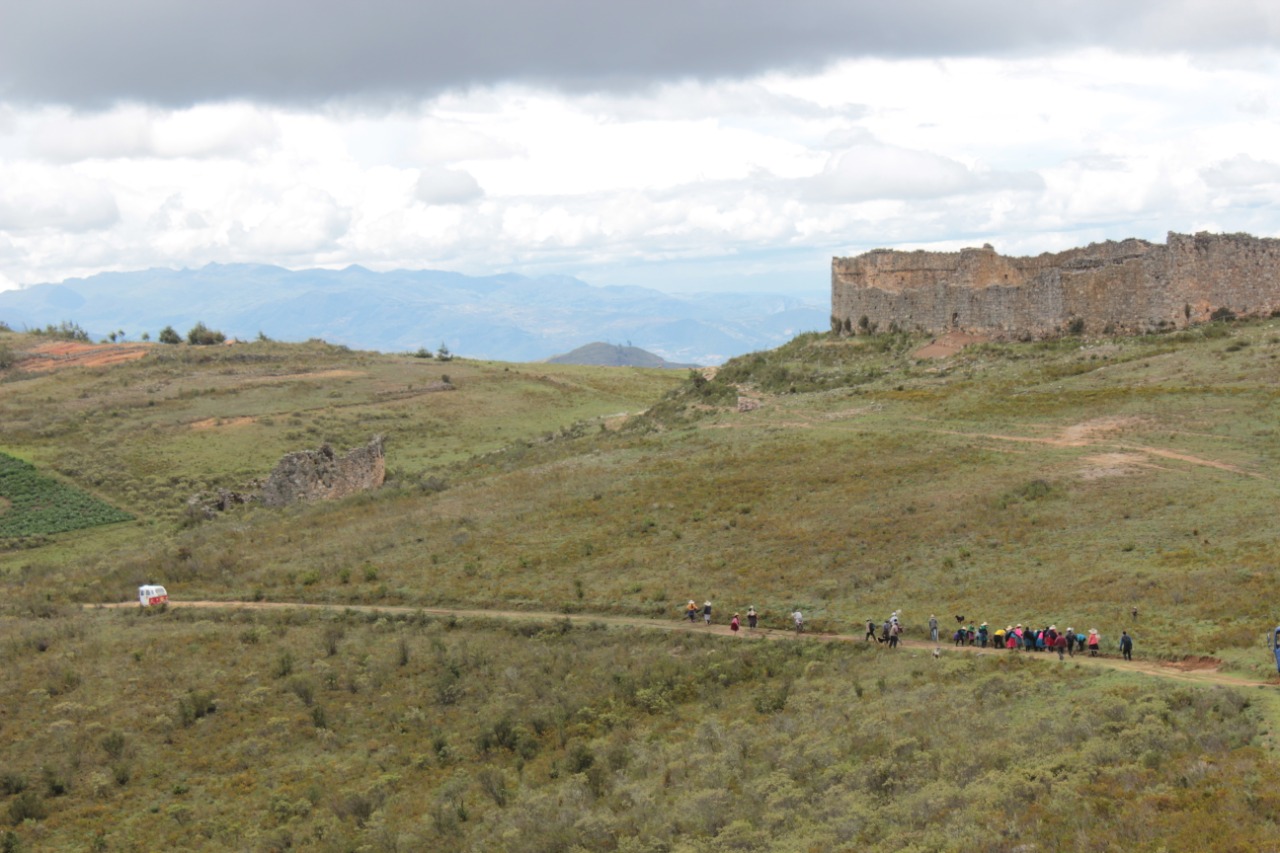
1275 646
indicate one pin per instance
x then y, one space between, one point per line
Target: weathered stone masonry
1129 286
315 475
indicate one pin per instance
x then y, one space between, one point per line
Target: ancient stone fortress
1103 288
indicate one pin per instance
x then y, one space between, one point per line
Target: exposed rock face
1130 286
315 475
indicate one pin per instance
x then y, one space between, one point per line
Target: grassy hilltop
1055 482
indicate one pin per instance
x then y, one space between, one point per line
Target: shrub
169 336
27 806
65 330
113 745
202 335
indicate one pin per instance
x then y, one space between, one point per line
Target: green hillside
1063 482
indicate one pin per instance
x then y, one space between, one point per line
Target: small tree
146 336
202 335
443 353
169 336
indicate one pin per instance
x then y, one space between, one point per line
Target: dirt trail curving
1200 671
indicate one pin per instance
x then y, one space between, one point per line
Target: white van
149 595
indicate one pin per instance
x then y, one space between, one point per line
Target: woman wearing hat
1092 641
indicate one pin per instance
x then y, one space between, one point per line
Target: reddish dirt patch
336 373
214 423
947 345
58 355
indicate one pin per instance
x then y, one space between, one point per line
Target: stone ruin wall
1131 286
317 475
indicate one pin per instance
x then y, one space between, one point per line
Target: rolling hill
615 355
1062 482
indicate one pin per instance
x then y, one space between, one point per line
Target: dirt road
1203 672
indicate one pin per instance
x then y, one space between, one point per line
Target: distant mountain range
502 317
615 355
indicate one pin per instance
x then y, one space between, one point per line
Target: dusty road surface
1198 671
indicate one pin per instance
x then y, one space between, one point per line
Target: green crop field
1063 482
37 505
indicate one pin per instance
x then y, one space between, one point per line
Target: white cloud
303 221
41 198
1241 171
437 185
1030 154
869 171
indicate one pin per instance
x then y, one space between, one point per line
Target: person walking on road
1093 641
871 634
752 618
1126 645
734 624
933 628
799 620
706 612
691 611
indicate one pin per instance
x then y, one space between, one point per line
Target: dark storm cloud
175 52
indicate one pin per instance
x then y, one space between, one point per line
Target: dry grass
1033 483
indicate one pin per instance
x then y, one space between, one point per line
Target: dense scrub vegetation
340 731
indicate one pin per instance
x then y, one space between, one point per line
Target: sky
698 145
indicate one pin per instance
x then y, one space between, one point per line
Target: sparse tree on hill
169 336
202 335
443 353
146 336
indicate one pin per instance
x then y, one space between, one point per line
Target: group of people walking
1019 638
1014 637
735 624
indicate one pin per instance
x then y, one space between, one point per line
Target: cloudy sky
679 144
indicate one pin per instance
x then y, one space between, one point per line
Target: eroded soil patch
215 423
59 355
